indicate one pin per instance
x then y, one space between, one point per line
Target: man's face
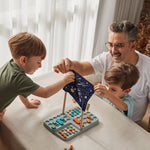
119 47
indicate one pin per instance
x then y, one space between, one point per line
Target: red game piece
71 147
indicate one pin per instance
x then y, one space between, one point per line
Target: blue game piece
72 115
53 127
54 122
77 112
77 109
62 118
59 121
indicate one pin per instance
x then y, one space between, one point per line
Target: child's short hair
26 44
126 74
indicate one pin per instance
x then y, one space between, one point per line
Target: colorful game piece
71 147
88 117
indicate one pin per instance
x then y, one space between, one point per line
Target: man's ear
134 43
126 91
23 60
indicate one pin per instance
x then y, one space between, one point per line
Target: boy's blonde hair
126 74
26 44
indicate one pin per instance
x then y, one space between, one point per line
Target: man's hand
63 66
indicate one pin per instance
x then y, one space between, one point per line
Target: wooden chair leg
149 125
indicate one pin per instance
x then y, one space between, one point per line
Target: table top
114 131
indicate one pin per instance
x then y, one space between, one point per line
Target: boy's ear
23 60
126 91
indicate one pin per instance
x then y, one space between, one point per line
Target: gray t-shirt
140 92
14 82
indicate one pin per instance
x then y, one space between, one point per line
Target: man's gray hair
127 27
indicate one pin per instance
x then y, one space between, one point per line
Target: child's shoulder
127 97
10 70
4 68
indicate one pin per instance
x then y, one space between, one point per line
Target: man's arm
83 68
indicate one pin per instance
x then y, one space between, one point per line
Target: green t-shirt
14 82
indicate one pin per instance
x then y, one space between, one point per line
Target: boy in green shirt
27 53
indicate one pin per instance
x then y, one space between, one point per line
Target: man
121 45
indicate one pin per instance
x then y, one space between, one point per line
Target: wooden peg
87 106
64 102
81 123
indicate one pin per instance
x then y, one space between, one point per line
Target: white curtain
67 27
105 17
128 10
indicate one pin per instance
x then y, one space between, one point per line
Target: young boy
27 53
119 80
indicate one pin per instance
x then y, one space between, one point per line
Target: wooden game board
67 125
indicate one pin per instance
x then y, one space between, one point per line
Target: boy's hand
101 90
69 77
2 114
33 103
63 66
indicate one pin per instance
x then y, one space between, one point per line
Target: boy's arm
50 90
119 103
33 103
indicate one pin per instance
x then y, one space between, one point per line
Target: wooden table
23 128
